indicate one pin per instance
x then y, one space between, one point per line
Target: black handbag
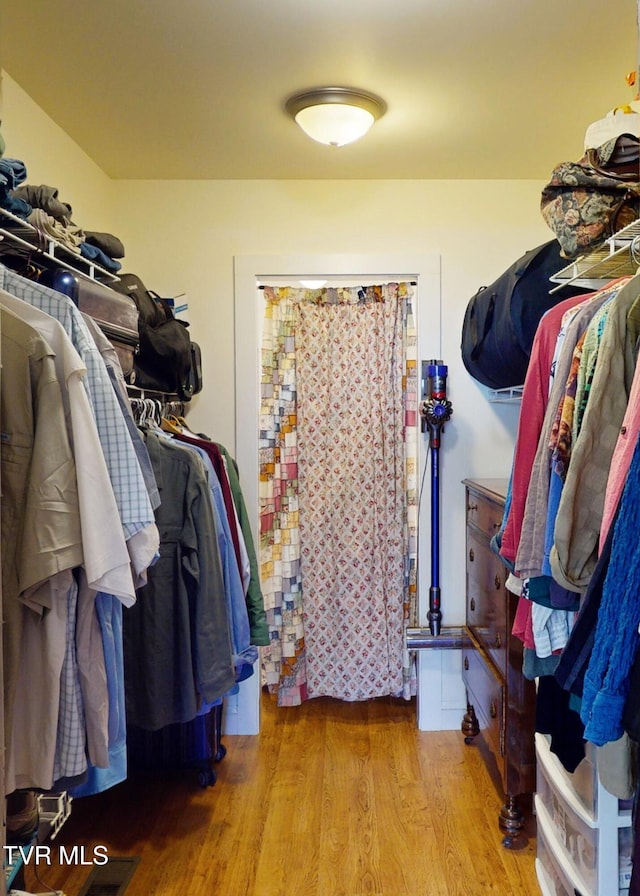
163 362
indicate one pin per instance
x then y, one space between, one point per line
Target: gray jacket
177 643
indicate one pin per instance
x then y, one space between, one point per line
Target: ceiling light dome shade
335 116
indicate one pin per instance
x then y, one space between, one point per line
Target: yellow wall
182 236
53 158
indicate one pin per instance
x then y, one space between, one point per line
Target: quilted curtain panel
338 509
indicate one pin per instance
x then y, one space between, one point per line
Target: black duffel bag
163 362
501 320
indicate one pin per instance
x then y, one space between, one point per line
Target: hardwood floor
332 799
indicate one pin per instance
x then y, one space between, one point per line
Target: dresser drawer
501 701
485 691
484 514
487 599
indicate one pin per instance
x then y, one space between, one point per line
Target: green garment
255 600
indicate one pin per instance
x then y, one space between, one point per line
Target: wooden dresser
500 701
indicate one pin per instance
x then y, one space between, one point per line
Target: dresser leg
511 821
470 726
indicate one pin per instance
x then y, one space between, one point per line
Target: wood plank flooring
332 799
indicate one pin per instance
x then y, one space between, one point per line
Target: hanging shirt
70 756
622 454
577 529
105 554
177 643
112 362
240 528
530 555
110 613
616 639
244 654
32 747
534 402
126 477
254 596
41 533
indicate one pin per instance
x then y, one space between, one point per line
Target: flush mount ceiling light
335 115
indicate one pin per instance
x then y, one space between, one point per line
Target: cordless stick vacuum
435 411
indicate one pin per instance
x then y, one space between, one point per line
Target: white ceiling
195 88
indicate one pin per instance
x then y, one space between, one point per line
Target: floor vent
111 879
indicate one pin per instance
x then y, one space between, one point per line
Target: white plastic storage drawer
571 825
552 879
625 859
583 781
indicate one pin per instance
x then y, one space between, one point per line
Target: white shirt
106 557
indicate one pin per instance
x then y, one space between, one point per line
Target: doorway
250 272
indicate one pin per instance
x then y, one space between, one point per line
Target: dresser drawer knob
498 583
466 664
493 709
472 507
472 604
498 640
471 555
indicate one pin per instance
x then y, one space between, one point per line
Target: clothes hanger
185 428
170 424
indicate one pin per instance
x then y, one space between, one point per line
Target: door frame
249 272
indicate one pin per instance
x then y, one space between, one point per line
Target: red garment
215 455
535 396
523 624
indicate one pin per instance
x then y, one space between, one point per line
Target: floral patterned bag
585 202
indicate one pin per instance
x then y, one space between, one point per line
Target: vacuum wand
435 411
